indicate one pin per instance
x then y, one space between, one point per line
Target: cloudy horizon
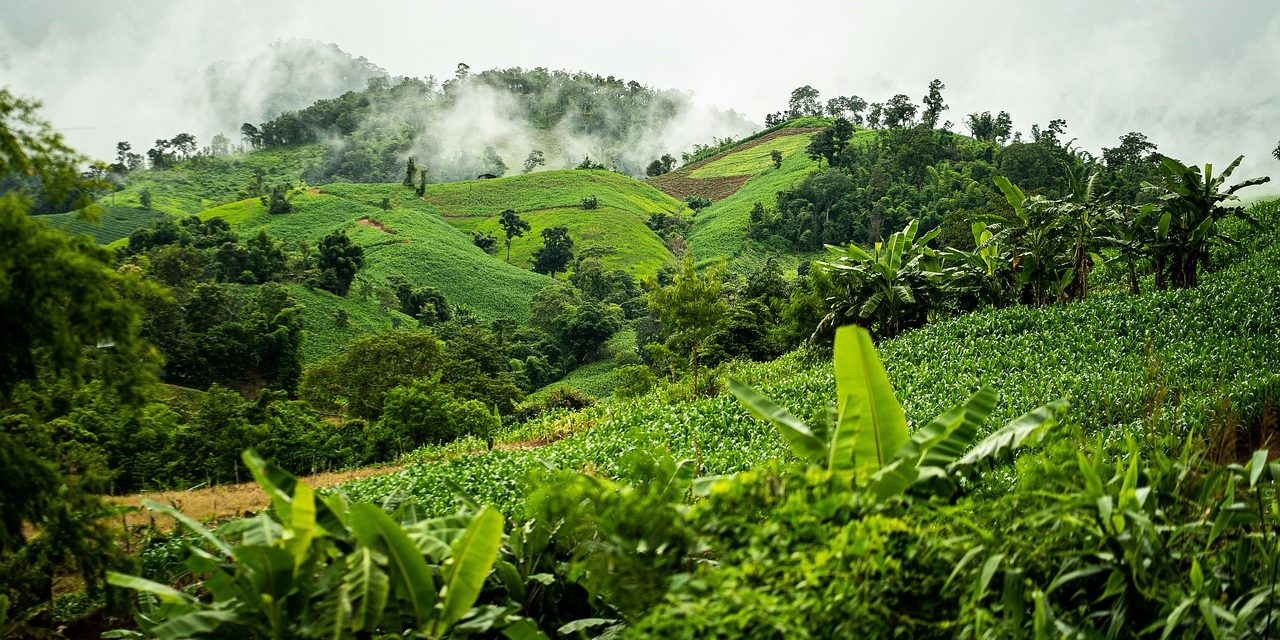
1205 86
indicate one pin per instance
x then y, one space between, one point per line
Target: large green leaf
473 556
862 386
298 537
1013 195
280 486
365 588
802 441
1030 428
946 438
164 592
194 526
374 528
269 570
195 623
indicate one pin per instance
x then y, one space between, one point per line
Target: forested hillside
634 368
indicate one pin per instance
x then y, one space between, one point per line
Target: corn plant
319 568
869 439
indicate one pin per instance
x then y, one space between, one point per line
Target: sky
1202 80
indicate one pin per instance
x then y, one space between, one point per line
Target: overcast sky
1201 79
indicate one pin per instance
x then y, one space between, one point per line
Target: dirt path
228 501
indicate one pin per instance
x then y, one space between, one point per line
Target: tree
982 126
933 104
1276 153
1003 127
485 241
899 111
887 289
1191 207
556 251
251 135
875 114
220 146
410 172
144 199
514 226
804 102
534 160
338 260
688 309
494 162
63 312
184 144
278 201
776 157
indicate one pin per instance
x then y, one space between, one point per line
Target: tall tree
534 160
804 102
410 172
514 226
556 251
933 104
899 111
688 309
338 259
63 312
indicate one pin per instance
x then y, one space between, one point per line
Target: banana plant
982 274
1039 242
869 441
1192 204
889 288
318 568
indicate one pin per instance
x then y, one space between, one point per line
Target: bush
633 381
590 202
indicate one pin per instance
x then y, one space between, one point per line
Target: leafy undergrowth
1181 355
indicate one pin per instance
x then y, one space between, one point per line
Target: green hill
615 228
188 188
402 241
735 179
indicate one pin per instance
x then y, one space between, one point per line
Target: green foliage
338 260
688 309
888 289
556 251
379 573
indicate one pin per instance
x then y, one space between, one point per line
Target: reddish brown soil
376 225
679 184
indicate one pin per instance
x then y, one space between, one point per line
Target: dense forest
854 373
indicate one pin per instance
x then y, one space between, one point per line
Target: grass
420 246
754 159
113 222
323 337
619 237
1115 357
547 190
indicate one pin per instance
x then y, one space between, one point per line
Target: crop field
323 335
410 243
113 222
1201 360
547 190
755 158
620 237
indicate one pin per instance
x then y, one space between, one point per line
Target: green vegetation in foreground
547 190
1114 357
755 159
410 243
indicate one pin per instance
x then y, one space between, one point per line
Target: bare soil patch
376 225
678 184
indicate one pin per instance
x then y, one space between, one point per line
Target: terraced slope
402 241
615 229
